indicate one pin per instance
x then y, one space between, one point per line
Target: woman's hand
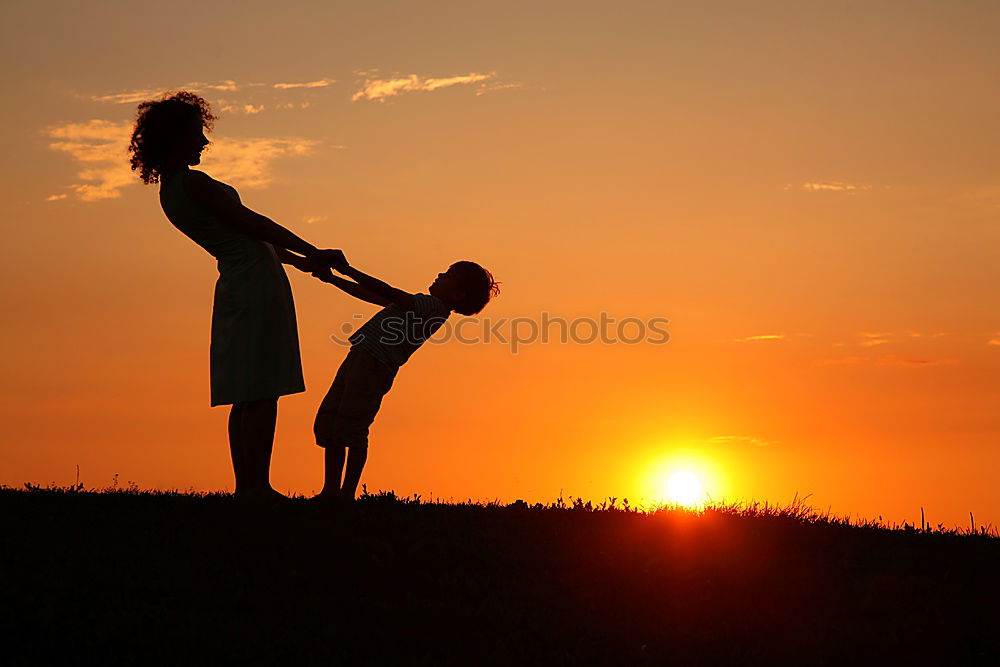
304 264
330 258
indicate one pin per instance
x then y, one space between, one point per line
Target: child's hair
479 287
158 125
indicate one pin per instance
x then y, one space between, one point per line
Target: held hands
323 273
320 263
329 258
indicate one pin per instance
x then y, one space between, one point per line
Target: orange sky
820 174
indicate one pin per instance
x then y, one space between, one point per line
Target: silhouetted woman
255 347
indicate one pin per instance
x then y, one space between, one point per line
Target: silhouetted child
378 349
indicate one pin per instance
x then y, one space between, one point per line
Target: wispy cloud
100 148
889 360
312 219
321 83
248 109
245 106
910 361
833 186
749 339
380 89
922 334
740 439
842 361
140 95
994 341
873 338
491 87
56 197
247 162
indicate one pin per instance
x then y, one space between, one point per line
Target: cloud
227 86
248 109
920 334
873 338
889 360
899 361
843 361
247 162
994 341
311 219
740 439
760 337
322 83
129 97
135 96
100 148
833 186
56 197
489 88
379 89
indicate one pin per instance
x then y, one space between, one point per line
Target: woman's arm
301 263
208 192
352 288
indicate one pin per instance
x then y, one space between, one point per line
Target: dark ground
141 578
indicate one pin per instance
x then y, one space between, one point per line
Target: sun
684 488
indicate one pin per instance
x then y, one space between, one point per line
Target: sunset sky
808 191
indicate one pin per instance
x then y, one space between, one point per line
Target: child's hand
341 265
323 273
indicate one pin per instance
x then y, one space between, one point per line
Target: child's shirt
393 333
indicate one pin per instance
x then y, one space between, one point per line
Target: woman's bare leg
256 431
236 449
356 457
334 467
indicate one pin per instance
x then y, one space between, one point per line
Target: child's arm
379 288
351 288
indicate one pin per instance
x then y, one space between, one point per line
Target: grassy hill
134 577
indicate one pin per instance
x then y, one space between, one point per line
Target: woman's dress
255 344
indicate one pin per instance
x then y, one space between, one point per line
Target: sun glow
684 488
685 477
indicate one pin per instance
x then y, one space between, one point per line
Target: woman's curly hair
157 126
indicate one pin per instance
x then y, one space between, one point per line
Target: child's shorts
354 398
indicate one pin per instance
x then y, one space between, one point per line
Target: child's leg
356 457
334 466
